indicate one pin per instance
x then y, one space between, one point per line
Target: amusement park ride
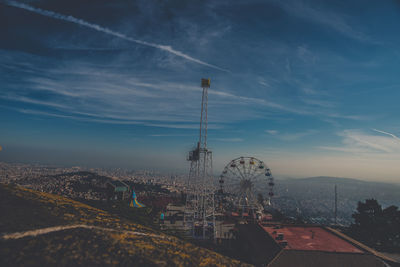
134 202
199 216
238 180
237 184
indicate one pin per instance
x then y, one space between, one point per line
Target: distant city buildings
86 183
310 202
262 239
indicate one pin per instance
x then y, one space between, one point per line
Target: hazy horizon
309 87
183 171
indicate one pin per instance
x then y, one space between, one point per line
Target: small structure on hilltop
117 190
224 228
173 217
134 203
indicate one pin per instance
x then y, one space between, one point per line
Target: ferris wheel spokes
242 177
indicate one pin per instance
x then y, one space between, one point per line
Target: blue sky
310 87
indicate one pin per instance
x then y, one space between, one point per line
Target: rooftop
310 238
117 183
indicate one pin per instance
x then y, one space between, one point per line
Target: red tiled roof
302 258
266 217
311 238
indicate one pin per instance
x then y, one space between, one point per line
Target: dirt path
48 230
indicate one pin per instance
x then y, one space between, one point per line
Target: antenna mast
335 205
199 217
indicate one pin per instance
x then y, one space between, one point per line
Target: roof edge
359 244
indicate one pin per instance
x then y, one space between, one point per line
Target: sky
309 87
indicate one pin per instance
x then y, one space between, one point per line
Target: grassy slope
23 209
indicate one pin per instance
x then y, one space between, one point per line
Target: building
224 229
276 245
173 217
117 190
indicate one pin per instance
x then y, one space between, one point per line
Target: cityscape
316 205
199 133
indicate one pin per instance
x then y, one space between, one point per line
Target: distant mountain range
331 179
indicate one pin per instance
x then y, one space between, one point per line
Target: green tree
377 227
366 221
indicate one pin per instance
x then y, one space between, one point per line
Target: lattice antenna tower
199 216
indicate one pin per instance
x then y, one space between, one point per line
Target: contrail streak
99 28
382 132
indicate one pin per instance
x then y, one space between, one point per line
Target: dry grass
28 209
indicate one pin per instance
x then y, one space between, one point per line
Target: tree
377 227
366 221
260 199
391 216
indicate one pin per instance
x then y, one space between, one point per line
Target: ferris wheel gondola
242 177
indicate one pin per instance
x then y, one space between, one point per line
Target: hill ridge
86 236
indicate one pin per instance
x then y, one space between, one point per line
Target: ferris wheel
242 177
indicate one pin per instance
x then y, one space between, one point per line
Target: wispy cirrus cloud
69 18
318 102
390 134
119 121
89 91
228 139
332 20
38 112
296 136
360 143
290 136
109 94
81 89
183 126
272 132
170 135
78 118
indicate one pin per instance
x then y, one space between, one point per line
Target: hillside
41 229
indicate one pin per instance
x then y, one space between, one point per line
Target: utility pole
335 205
